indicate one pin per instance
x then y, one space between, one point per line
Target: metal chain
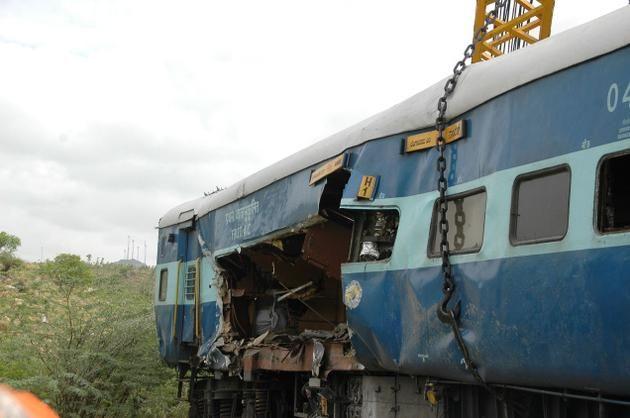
445 313
460 222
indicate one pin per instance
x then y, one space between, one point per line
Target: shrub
96 353
8 245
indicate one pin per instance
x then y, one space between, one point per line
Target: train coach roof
479 83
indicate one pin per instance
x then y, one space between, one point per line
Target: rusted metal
326 246
284 359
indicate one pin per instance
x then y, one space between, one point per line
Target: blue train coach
312 288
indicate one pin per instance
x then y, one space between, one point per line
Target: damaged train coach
311 288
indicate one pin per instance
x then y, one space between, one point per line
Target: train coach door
188 284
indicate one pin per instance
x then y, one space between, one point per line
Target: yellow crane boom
519 23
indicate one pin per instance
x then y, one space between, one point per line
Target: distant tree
89 258
8 245
67 271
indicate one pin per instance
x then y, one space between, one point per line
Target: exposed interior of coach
284 294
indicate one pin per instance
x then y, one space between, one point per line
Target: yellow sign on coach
328 168
424 140
367 188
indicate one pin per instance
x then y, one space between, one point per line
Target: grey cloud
153 115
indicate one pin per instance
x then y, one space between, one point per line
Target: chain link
460 222
445 313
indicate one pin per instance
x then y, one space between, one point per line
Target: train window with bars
613 213
189 284
466 215
163 285
540 206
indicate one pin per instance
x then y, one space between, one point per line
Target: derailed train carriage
311 287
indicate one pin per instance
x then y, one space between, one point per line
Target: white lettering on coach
242 219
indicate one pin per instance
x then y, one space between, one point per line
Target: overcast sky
114 111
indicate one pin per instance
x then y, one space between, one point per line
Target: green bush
83 339
8 245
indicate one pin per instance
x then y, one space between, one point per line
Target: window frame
547 171
433 227
160 298
193 295
597 203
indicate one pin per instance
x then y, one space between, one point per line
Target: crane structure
518 23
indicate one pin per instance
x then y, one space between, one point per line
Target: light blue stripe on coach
171 283
207 290
415 215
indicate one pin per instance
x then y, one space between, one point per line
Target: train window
466 215
189 285
613 214
374 235
163 285
540 206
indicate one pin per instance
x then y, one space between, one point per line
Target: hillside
82 338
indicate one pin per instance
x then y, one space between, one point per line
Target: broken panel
281 304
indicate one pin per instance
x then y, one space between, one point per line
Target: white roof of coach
478 83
